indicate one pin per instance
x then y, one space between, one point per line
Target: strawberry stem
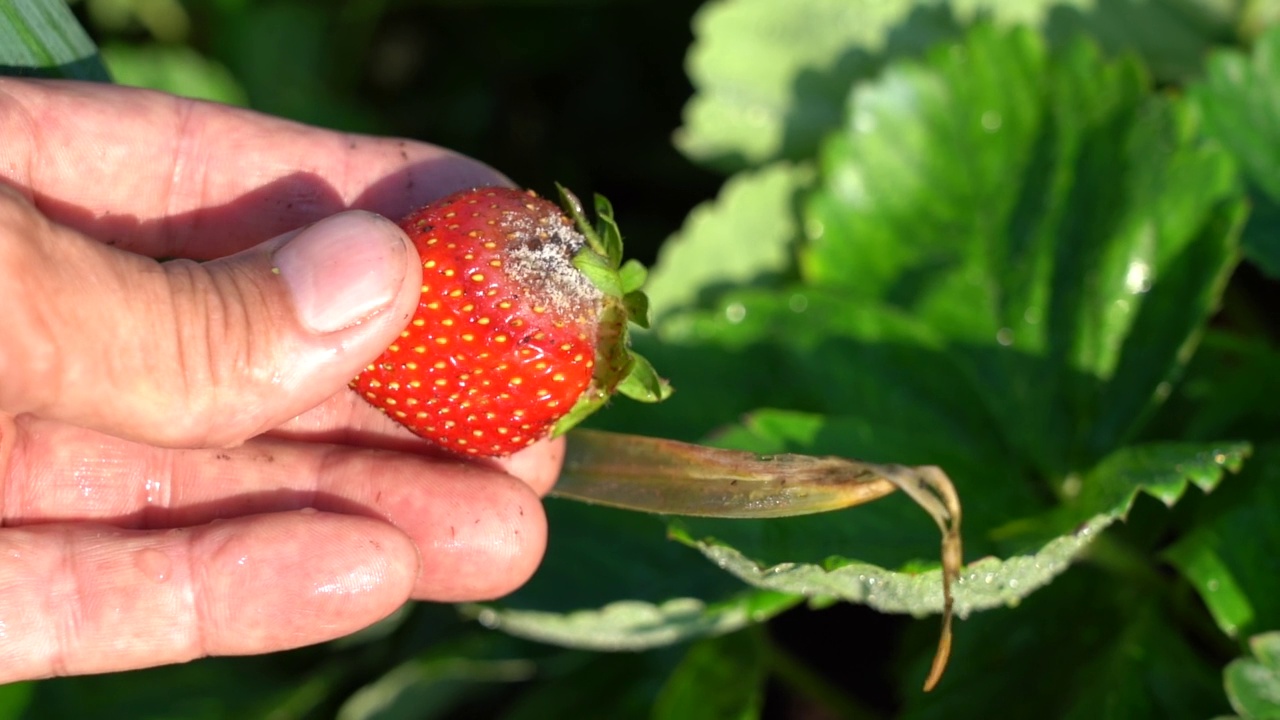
674 478
617 368
573 208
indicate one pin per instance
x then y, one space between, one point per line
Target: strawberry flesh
503 342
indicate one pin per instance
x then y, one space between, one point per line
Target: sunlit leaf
1253 684
771 78
635 591
42 38
607 229
177 70
1197 559
797 555
1240 99
1082 291
745 236
632 275
636 624
643 383
440 681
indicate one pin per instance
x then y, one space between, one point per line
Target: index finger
172 177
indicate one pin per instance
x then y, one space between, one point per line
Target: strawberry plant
1032 244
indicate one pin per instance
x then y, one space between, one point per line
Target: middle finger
480 532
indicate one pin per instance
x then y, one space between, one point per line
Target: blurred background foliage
583 92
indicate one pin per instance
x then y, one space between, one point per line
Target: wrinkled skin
183 471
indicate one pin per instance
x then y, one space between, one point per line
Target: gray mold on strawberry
540 255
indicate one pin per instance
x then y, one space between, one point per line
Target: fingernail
342 269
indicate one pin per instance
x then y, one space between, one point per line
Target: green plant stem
798 676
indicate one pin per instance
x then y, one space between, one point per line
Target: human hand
183 471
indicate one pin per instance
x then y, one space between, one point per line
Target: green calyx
617 368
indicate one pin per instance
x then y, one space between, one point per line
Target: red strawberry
521 330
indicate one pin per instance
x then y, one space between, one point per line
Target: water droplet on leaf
735 312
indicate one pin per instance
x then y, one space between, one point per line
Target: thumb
187 354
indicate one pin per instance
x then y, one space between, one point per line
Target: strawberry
521 329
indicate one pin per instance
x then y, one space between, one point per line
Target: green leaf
719 678
771 78
437 683
1094 646
1228 390
289 58
925 352
894 395
173 69
598 270
1240 100
15 698
1229 555
607 229
573 208
633 275
1081 292
211 688
745 236
793 554
643 383
1261 240
1161 470
635 591
1205 569
636 624
813 351
1253 684
43 38
618 686
636 304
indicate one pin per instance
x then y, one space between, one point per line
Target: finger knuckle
28 348
218 356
